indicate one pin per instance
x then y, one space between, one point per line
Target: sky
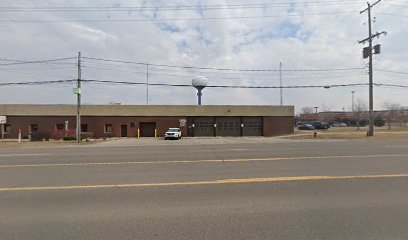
316 42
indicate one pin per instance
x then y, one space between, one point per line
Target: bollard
155 133
315 135
138 133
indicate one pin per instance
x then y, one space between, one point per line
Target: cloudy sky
311 38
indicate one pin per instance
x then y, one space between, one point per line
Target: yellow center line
223 181
196 161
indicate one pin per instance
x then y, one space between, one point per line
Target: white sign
182 122
3 119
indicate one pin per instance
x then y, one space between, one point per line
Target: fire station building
105 121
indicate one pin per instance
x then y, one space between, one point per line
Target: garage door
228 126
147 129
203 126
252 126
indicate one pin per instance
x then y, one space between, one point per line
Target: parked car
306 127
319 125
173 133
341 124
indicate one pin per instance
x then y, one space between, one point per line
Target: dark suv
319 125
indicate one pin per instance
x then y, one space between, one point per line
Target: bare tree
325 108
307 110
360 106
392 110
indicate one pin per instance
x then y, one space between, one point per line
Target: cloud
91 34
314 36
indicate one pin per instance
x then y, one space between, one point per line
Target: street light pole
352 100
280 83
316 112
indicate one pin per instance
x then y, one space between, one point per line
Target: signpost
3 120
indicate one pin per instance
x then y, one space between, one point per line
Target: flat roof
145 110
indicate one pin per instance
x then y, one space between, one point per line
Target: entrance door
147 129
123 131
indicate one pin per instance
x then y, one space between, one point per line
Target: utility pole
147 84
280 81
368 53
352 100
78 93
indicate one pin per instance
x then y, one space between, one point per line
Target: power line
224 86
393 14
178 8
175 19
227 69
20 62
390 71
95 81
38 82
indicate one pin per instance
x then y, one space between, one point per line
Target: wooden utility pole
368 52
78 93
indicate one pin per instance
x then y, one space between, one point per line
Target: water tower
200 82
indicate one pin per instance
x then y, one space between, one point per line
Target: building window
7 128
108 128
60 126
84 128
33 128
132 125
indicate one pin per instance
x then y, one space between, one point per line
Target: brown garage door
228 126
252 126
147 129
203 126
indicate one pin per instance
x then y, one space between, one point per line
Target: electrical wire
227 69
95 81
179 7
175 19
20 62
38 82
223 86
390 71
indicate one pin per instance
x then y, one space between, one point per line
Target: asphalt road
220 189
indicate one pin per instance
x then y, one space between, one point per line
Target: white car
174 133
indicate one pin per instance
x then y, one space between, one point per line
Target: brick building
103 121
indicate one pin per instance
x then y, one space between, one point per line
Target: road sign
3 119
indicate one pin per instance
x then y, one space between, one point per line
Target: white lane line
234 149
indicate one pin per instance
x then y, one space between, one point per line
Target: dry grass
45 144
382 133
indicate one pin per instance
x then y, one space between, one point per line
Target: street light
316 112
